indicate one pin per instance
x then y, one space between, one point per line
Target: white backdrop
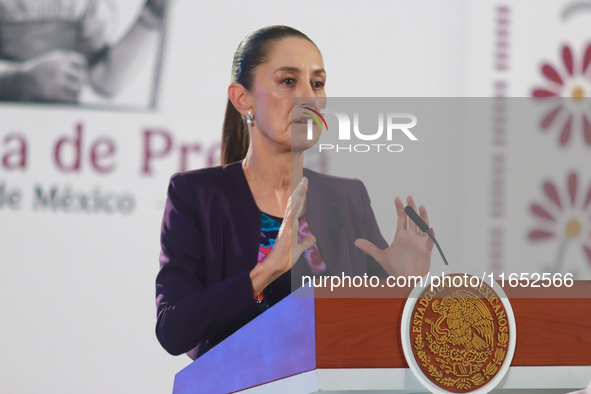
77 288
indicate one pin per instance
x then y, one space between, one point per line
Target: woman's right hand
56 76
286 249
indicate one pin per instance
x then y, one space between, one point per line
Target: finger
79 65
297 190
303 181
77 60
423 214
284 225
303 190
301 197
66 95
306 243
402 219
295 206
74 74
296 210
73 86
370 249
69 84
291 200
411 225
78 74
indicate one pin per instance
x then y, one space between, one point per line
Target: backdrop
83 184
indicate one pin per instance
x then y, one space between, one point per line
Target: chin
301 147
299 137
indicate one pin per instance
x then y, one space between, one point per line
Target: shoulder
200 177
332 181
199 192
211 177
205 186
350 192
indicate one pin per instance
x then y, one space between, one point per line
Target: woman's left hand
410 252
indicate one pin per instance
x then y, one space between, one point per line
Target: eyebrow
297 70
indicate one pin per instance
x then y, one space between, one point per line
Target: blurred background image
101 101
80 51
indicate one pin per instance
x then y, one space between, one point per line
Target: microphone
337 212
424 227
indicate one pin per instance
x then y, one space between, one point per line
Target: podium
352 345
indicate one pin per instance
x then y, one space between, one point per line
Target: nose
306 102
305 97
305 89
305 92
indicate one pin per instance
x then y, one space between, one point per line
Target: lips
301 119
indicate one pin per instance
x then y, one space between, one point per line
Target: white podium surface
522 380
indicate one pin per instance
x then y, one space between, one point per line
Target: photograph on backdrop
103 53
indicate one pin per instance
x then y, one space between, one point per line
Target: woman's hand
286 249
410 252
56 76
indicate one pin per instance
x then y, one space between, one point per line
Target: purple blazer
210 242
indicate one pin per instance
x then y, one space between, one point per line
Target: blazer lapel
245 212
323 225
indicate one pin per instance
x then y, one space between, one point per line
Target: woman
229 243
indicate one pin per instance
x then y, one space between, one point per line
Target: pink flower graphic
565 218
571 80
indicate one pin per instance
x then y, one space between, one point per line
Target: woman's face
295 70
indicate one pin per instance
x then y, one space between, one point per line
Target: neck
273 170
272 173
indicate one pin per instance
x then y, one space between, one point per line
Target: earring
249 117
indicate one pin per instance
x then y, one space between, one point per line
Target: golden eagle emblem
459 336
469 322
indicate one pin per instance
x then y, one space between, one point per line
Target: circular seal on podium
458 332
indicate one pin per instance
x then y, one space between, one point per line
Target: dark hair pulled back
251 53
